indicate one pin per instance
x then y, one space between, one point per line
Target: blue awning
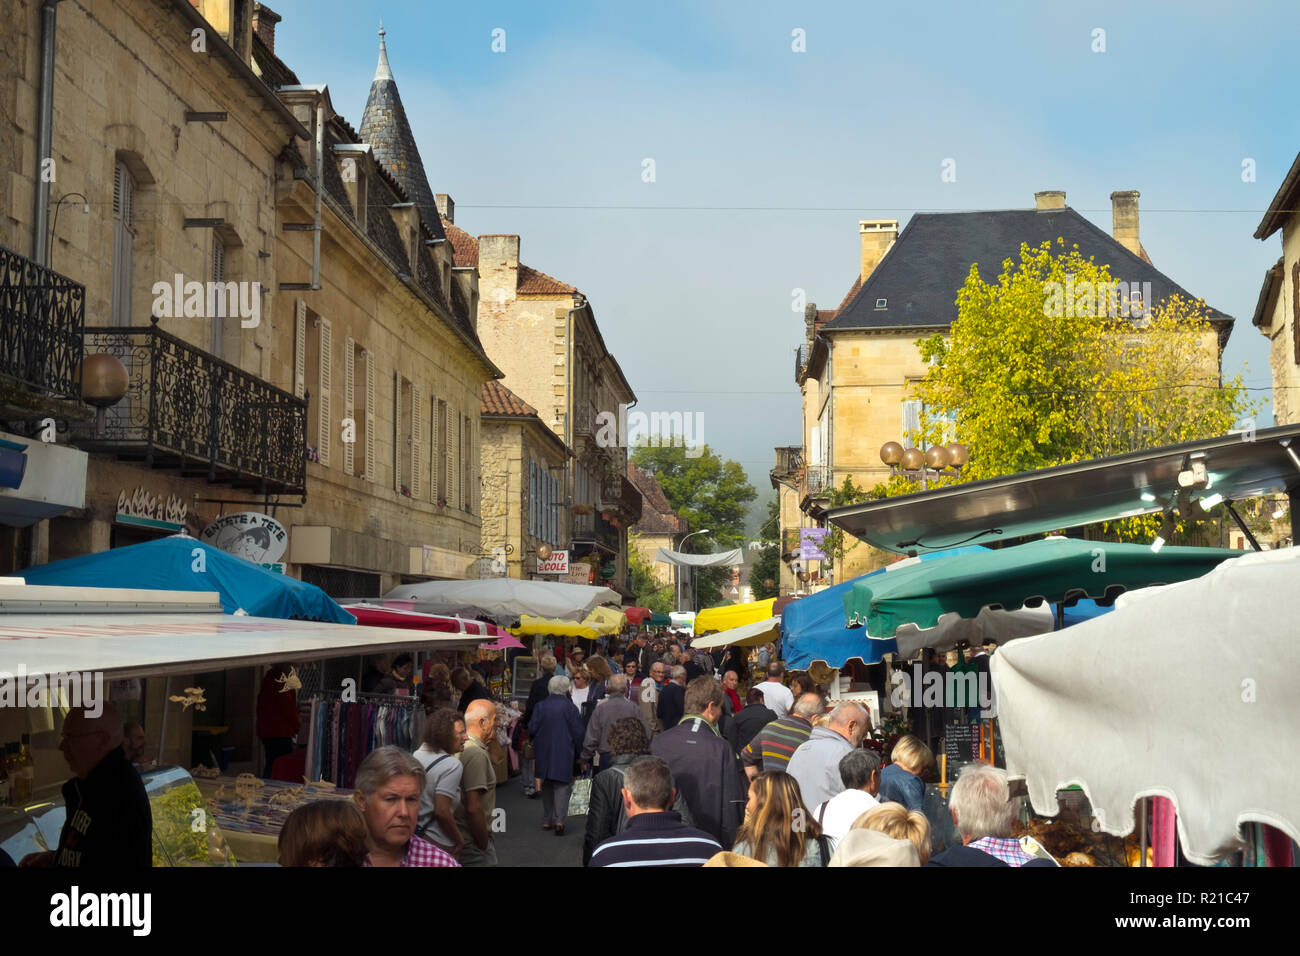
168 564
813 629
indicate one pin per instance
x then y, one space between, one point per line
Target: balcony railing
817 481
620 496
788 461
800 363
187 409
41 318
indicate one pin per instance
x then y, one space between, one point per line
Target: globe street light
679 567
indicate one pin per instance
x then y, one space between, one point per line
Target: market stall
1183 692
732 615
504 600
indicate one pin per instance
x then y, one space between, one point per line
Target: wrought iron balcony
817 481
800 363
42 314
619 496
190 410
789 460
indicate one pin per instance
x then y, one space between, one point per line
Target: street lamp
914 461
679 567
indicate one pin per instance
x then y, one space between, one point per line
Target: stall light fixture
1194 476
1209 501
1166 532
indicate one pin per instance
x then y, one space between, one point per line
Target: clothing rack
342 732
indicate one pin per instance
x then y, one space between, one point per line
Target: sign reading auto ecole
248 534
557 563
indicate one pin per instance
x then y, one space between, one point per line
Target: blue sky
765 159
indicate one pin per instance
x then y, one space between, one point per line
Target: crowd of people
684 769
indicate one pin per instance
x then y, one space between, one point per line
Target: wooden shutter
370 416
453 457
475 479
349 401
123 234
324 429
417 441
397 432
299 348
434 449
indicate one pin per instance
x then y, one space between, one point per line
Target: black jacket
603 813
707 774
672 704
743 727
537 693
109 824
964 856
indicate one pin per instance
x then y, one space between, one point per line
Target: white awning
747 635
1186 691
718 560
154 645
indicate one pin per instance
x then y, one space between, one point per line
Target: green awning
1052 569
660 620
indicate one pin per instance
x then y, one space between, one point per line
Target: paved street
525 843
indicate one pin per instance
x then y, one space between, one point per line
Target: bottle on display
26 782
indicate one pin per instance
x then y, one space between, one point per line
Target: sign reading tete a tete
248 534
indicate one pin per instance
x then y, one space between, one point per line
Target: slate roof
385 127
496 399
1284 203
921 274
657 515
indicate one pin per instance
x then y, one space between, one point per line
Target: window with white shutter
123 240
349 402
466 463
911 420
370 464
324 383
398 445
417 442
299 348
476 474
453 457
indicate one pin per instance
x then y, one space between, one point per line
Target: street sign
557 563
811 541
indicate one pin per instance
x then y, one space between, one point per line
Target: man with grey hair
390 783
816 764
655 834
672 699
860 774
983 812
613 706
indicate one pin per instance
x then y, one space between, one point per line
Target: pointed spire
382 71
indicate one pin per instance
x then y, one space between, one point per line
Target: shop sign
579 573
811 542
145 510
248 534
557 563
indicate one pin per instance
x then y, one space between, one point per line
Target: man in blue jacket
672 699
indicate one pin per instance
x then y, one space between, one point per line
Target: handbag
580 798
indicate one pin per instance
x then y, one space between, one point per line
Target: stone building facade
523 474
1277 313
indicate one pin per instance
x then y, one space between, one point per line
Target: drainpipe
320 189
568 415
44 132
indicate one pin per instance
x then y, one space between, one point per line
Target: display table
250 811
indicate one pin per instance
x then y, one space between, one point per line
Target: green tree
1048 365
768 566
709 493
649 592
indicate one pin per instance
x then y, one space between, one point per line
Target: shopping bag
580 798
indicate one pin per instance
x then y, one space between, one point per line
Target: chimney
446 207
809 323
498 270
1049 200
877 236
1124 219
264 21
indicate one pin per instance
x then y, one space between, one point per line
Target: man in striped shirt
775 744
655 835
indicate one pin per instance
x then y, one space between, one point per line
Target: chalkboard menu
961 743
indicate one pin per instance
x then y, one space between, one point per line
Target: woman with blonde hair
779 830
901 781
895 820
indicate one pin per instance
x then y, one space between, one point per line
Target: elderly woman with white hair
390 783
557 732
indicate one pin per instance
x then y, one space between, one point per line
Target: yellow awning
733 615
600 622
